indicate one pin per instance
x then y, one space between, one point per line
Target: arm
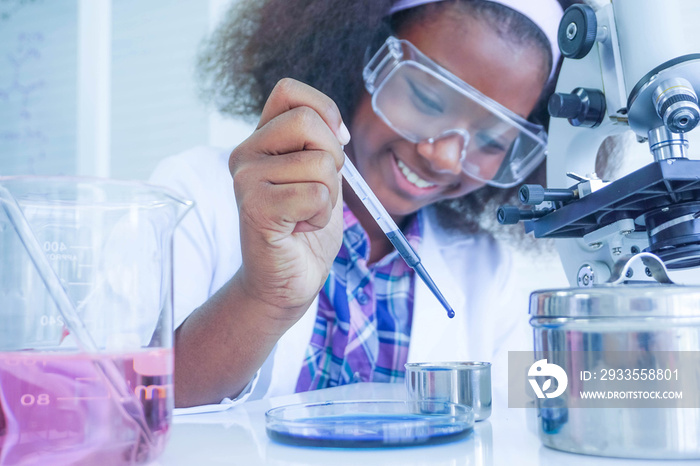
219 349
287 189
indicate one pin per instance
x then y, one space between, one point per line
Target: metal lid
632 300
621 297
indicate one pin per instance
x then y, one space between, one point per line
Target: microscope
632 65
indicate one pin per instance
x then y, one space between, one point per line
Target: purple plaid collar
363 323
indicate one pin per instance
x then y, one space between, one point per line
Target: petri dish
369 424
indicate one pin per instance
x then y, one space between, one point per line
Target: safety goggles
422 101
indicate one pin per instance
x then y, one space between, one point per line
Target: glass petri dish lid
369 424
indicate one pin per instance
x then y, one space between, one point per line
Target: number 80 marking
29 400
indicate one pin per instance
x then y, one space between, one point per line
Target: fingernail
344 134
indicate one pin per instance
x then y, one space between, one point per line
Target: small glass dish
369 424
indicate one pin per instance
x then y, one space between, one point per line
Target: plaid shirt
363 323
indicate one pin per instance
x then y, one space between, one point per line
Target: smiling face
407 176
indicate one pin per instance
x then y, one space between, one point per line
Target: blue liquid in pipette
391 230
409 255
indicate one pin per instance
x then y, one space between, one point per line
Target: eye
423 101
489 144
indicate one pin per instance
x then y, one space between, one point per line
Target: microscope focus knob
582 107
535 194
563 105
531 194
577 31
508 215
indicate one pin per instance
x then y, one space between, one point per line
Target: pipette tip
450 313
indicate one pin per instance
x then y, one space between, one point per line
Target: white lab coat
487 290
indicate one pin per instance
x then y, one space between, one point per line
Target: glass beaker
86 333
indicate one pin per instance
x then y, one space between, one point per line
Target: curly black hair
325 43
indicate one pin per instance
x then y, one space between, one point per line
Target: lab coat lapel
434 336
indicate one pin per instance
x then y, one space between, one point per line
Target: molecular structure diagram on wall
9 7
20 93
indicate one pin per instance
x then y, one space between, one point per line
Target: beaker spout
183 206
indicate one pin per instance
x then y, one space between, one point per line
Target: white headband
546 14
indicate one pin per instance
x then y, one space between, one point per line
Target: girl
283 281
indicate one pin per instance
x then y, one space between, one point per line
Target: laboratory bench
235 435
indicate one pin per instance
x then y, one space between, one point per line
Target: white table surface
237 437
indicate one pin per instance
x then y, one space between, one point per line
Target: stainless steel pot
600 322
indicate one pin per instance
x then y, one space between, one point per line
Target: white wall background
103 87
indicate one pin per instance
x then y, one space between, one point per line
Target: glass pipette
390 229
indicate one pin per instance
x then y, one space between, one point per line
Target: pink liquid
58 409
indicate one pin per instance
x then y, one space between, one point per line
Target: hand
287 186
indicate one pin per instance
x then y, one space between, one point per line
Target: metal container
466 383
634 319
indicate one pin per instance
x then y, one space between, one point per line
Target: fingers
287 193
307 216
321 216
299 129
303 167
279 210
285 174
295 147
289 94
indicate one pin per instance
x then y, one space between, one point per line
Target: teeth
413 177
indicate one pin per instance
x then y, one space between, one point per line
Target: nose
445 153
